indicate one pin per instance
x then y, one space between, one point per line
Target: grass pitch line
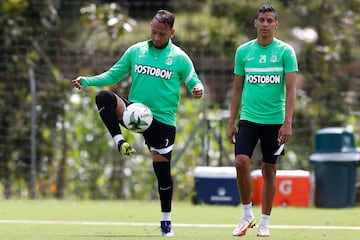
143 224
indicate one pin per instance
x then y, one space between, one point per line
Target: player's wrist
287 123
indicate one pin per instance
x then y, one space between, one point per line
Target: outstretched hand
76 82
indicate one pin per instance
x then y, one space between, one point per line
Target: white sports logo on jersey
169 61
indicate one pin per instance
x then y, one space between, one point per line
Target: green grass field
52 219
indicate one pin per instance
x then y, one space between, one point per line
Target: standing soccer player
264 94
158 68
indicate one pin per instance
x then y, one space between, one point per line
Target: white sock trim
264 219
165 216
117 138
247 208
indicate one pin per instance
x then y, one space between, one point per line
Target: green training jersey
263 69
156 76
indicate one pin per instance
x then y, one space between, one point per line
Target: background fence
52 142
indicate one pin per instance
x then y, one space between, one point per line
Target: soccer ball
137 117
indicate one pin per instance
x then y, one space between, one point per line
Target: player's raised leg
111 108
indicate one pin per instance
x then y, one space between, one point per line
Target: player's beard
158 45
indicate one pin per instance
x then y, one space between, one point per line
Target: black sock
106 104
165 184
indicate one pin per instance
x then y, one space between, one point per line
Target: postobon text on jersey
263 79
153 71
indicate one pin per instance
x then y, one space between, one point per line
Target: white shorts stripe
162 150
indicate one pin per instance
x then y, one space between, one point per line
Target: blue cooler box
216 185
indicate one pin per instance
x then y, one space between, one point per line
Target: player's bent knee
105 98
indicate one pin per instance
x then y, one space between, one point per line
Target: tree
24 25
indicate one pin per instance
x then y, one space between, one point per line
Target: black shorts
249 133
159 137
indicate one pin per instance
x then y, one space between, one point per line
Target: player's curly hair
165 17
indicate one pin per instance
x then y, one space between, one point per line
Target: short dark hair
267 8
165 17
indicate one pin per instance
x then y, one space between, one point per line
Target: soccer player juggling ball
263 95
158 68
